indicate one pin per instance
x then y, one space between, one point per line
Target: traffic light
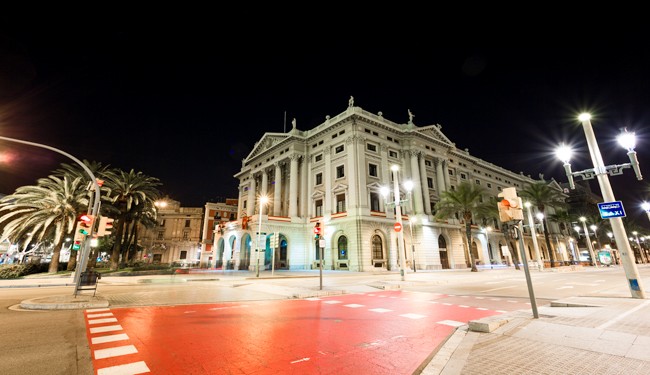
86 222
317 230
76 245
510 207
105 226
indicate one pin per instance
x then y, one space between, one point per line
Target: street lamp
263 199
398 212
594 227
602 172
408 185
533 234
591 248
636 235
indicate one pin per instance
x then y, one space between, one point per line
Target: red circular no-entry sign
398 227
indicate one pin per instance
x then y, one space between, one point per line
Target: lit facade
333 174
217 216
177 236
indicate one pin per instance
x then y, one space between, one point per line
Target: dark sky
187 107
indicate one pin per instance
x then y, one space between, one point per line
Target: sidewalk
577 335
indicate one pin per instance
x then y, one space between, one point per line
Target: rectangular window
371 147
374 202
340 171
334 136
187 223
372 170
161 235
162 222
338 149
392 154
319 178
319 207
340 203
186 236
427 163
183 254
319 157
451 172
478 182
430 182
489 185
463 176
244 205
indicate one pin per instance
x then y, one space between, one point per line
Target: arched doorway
342 253
219 255
474 252
378 258
442 249
281 261
245 252
232 241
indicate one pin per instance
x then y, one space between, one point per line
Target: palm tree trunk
548 242
72 262
115 256
468 233
54 263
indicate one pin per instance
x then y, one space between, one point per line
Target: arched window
442 244
343 248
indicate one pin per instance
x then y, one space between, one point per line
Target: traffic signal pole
95 210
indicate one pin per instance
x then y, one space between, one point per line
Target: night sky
187 107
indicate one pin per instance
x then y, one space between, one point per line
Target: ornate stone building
334 174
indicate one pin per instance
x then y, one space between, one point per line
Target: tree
468 200
542 196
128 193
47 211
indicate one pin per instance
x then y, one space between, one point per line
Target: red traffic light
317 228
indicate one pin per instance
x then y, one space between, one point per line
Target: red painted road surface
388 332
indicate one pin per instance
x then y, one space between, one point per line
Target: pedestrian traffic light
105 226
76 245
317 230
85 224
510 207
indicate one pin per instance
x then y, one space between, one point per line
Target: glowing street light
601 172
591 248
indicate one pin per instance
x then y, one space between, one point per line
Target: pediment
269 140
435 132
339 188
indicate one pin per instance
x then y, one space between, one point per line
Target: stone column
385 173
351 173
277 189
250 209
265 182
293 186
445 168
327 205
304 195
417 189
440 176
425 185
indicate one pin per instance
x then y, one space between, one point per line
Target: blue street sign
610 210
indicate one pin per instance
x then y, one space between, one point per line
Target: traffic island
64 302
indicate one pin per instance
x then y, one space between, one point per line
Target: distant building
333 174
217 217
176 238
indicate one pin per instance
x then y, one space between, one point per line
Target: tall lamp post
594 228
610 235
601 172
263 200
83 259
533 234
591 248
636 236
408 185
398 212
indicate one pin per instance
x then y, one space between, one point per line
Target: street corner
64 302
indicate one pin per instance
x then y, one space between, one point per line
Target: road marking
99 309
106 329
502 311
413 316
109 338
128 369
353 305
612 321
312 299
480 297
114 352
300 360
565 287
189 312
446 304
333 302
451 323
505 287
99 315
481 308
100 321
463 306
464 296
380 310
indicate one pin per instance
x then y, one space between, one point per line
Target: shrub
12 271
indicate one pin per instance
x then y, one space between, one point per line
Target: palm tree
542 196
564 218
47 211
468 200
128 192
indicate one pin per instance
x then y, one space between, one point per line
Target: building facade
217 217
334 173
177 236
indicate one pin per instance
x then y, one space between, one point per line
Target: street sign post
610 210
